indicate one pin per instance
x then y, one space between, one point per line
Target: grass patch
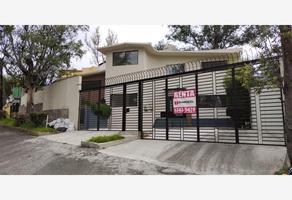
27 126
8 122
32 127
106 138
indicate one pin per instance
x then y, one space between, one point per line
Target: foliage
104 109
8 122
265 38
165 45
21 118
3 114
207 36
111 39
93 44
34 54
238 99
38 118
26 125
106 138
282 171
8 84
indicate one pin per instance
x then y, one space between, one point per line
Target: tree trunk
30 94
286 41
1 86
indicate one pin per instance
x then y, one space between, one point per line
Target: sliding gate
225 111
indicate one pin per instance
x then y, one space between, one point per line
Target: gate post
235 114
124 107
197 109
166 108
140 109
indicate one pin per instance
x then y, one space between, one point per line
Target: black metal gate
226 112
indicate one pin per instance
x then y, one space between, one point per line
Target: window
212 101
117 100
125 58
175 69
206 65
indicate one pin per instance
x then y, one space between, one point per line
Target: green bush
38 118
104 109
238 101
20 118
106 138
3 114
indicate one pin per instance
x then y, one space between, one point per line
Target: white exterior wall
62 94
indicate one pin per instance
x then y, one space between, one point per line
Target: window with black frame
175 69
211 64
125 58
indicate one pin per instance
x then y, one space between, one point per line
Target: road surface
23 154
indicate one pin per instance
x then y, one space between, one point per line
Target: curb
104 145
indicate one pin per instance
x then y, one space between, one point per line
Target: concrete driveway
204 158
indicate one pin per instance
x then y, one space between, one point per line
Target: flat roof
149 48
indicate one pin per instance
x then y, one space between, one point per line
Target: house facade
140 83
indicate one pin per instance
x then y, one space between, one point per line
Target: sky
126 33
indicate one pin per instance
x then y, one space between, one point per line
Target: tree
286 41
34 55
93 44
207 37
112 38
164 45
1 66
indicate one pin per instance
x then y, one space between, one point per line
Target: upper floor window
125 58
175 69
211 64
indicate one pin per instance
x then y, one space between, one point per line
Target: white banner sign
184 102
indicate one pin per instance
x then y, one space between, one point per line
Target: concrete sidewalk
75 137
204 158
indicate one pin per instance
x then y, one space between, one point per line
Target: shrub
3 114
106 138
38 118
104 109
20 118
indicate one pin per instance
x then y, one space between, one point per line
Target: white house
130 62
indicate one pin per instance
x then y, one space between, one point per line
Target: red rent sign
184 102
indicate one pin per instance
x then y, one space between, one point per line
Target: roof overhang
148 47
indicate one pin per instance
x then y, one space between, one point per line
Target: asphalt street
23 154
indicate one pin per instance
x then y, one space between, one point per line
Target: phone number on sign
185 110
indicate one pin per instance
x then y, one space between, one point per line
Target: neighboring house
130 62
61 98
